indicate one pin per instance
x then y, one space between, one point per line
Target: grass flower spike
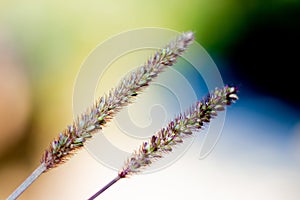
174 133
104 109
74 136
182 126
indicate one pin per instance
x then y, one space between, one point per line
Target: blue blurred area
261 130
193 76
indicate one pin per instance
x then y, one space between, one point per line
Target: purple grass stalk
174 133
74 136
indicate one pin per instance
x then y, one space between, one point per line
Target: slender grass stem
105 187
35 174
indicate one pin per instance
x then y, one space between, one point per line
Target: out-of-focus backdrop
254 44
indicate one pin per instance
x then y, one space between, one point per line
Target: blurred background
254 44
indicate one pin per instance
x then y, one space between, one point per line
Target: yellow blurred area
42 46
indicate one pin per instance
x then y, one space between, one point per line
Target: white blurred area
257 157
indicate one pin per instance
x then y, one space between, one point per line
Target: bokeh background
254 44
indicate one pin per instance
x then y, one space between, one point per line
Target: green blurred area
53 38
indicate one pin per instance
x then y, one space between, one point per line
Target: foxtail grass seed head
74 136
182 126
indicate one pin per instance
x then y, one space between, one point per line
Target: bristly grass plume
174 133
74 136
106 107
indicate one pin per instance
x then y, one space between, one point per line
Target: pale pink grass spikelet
183 125
175 132
74 136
